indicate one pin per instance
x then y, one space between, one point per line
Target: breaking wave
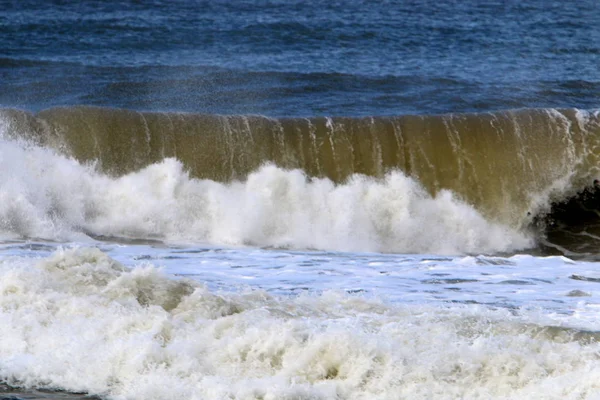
465 183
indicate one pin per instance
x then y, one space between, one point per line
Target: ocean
288 199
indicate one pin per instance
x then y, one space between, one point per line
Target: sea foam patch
79 321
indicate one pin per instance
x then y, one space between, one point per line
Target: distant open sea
299 200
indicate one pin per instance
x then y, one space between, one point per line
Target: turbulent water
299 200
79 320
475 182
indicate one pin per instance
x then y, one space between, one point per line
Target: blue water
300 58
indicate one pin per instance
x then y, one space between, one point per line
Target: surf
456 183
140 333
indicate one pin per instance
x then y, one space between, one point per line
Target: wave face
138 334
374 181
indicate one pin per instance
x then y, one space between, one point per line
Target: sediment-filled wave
476 182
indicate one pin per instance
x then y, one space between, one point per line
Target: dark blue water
300 58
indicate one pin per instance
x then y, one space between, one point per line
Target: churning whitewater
46 195
80 321
299 200
246 308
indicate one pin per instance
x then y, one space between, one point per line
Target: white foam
46 195
79 321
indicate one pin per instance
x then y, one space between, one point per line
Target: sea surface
299 200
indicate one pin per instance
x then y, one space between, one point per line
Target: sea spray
48 195
505 163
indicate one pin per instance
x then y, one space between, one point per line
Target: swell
510 165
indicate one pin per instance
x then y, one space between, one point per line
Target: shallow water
553 285
251 323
